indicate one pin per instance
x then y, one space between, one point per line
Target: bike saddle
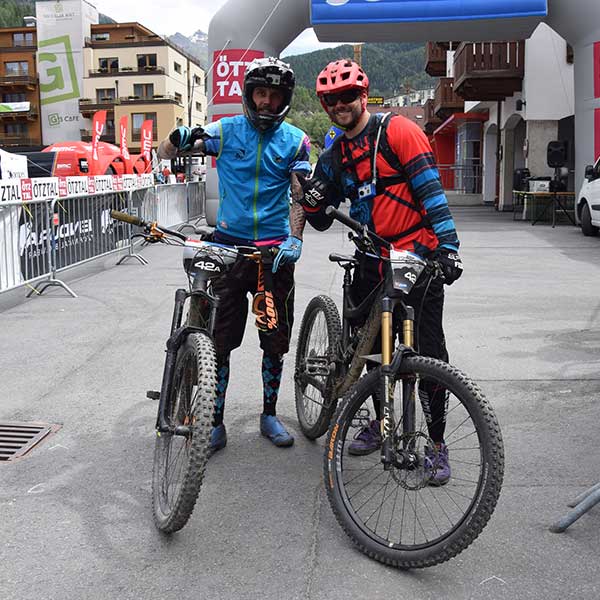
341 258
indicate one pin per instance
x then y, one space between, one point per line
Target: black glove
315 192
450 264
184 138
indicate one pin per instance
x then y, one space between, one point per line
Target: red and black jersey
407 206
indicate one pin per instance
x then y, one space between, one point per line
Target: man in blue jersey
257 155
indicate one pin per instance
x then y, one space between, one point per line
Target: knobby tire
356 484
179 462
319 337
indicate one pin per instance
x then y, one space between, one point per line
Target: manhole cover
18 438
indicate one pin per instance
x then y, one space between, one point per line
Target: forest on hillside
392 68
13 11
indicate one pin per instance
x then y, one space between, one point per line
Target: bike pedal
153 395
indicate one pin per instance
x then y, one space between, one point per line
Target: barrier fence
40 238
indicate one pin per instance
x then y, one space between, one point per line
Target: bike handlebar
361 229
133 220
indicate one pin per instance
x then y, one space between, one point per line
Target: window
20 67
14 97
105 95
199 106
108 65
137 119
177 67
178 98
101 37
143 90
23 39
146 62
15 129
197 80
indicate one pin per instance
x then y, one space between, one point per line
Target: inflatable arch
242 30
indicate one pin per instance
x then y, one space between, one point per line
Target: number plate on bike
207 257
406 269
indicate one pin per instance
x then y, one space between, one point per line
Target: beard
346 117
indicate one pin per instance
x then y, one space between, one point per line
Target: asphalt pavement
75 513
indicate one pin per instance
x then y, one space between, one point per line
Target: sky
167 17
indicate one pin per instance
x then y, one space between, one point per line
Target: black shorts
235 290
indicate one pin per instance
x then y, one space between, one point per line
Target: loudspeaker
556 154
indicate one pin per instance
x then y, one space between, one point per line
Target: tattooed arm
297 214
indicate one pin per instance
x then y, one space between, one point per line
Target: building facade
20 124
130 71
126 69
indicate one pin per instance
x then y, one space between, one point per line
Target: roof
416 114
456 119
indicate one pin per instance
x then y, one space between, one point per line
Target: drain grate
18 438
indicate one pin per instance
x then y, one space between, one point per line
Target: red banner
146 140
123 139
596 70
228 74
98 123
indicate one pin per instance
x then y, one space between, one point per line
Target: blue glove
184 138
289 252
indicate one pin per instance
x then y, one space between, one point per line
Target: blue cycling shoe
218 438
271 427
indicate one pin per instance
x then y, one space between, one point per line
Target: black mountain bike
385 501
188 388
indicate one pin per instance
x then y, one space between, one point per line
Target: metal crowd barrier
40 239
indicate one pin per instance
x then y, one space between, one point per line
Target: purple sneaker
436 462
368 440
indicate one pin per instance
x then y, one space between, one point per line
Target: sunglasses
346 97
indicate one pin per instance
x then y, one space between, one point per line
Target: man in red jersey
385 166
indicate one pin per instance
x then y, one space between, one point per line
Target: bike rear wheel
397 517
314 377
180 462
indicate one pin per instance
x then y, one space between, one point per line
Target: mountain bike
188 387
386 501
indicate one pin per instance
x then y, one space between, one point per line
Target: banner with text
61 31
228 74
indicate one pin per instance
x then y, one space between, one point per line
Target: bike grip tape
126 218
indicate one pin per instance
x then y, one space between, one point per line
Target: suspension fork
177 337
389 367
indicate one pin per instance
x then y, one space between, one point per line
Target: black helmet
272 73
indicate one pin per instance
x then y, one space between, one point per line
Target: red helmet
341 75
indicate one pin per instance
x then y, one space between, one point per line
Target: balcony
127 40
87 106
489 70
19 80
30 114
430 120
446 101
155 99
105 72
108 135
435 59
18 140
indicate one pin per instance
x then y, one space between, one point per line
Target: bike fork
389 457
162 422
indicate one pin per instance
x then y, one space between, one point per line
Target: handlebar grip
361 229
127 218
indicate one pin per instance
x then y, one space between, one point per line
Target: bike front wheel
398 516
180 461
314 377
